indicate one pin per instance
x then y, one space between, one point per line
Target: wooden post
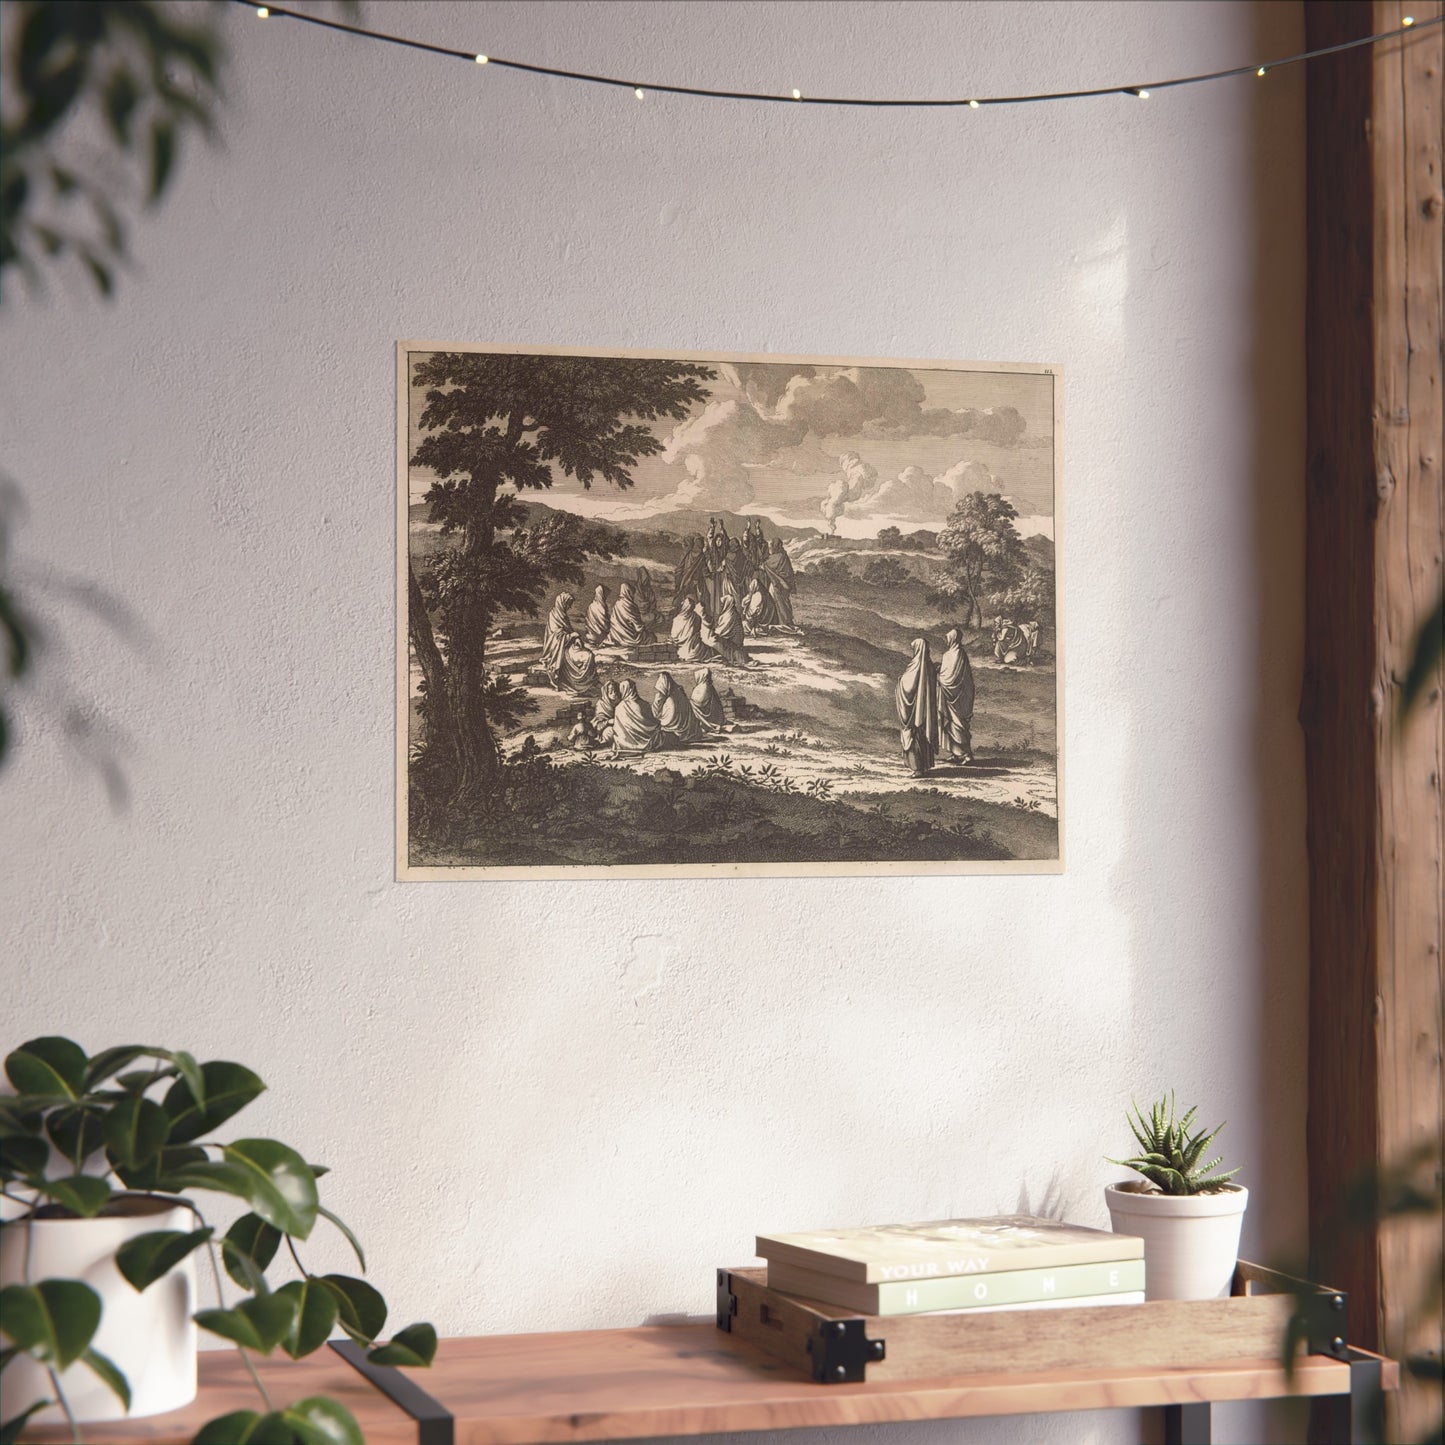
1374 545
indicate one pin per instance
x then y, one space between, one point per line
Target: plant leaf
316 1311
163 156
282 1187
107 1370
54 1320
319 1421
83 1194
21 1157
245 1427
76 1130
259 1323
11 1430
149 1257
1429 646
415 1345
155 1174
248 1248
136 1131
109 1062
361 1309
227 1089
49 1065
351 1239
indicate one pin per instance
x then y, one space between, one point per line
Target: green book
960 1292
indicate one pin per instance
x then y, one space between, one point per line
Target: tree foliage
886 572
147 72
983 553
1030 599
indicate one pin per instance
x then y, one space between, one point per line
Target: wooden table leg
1187 1424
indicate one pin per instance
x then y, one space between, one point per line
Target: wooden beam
1374 545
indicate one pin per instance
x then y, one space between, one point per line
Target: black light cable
641 88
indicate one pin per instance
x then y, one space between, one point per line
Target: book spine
1015 1286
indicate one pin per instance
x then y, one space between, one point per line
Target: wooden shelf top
689 1379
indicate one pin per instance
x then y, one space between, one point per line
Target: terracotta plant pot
1191 1241
150 1336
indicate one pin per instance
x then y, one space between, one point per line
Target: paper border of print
407 872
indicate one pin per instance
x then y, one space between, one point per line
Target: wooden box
836 1345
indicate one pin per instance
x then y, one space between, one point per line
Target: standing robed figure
955 699
777 572
916 698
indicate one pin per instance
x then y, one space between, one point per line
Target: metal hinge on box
841 1352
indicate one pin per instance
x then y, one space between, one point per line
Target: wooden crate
836 1345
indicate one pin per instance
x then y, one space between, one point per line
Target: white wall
552 1106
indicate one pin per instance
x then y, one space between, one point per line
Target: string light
703 92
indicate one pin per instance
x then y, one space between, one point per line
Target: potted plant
101 1160
1187 1213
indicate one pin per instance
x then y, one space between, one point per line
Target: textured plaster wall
552 1106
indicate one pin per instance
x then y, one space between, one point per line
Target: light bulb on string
1139 92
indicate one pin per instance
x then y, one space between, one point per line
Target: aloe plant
1170 1153
80 1132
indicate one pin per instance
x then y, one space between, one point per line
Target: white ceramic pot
150 1336
1191 1241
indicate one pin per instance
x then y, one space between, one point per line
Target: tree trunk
478 755
440 734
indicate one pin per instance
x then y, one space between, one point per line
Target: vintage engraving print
703 615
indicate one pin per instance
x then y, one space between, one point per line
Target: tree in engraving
496 427
983 553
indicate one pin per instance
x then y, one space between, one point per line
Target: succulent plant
1170 1153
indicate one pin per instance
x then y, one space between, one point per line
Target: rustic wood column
1373 569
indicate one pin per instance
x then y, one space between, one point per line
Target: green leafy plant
1171 1154
83 1134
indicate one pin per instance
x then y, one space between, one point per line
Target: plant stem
221 1302
64 1404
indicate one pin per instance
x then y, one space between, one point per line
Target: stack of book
1012 1261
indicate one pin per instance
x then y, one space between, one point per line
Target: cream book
961 1292
882 1253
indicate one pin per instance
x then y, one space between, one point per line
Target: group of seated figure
724 591
623 720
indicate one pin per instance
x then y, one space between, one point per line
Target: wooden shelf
690 1380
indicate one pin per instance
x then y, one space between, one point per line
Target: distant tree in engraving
983 554
493 422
